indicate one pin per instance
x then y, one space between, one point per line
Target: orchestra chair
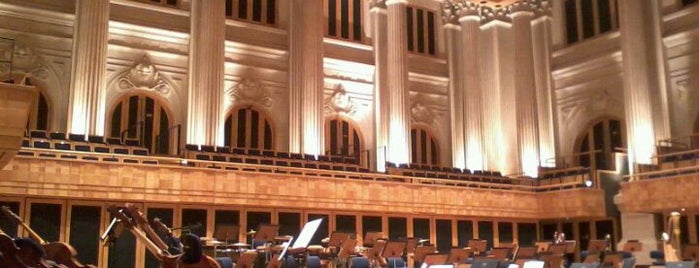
630 262
313 261
485 263
612 260
680 264
225 262
584 265
359 262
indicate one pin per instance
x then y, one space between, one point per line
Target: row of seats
83 143
216 153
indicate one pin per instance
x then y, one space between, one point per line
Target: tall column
546 103
471 72
397 68
379 36
456 95
206 73
525 91
306 77
645 78
86 110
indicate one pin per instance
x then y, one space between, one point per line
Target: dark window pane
526 233
588 19
243 9
430 33
444 239
433 152
413 145
147 131
584 149
257 10
85 232
8 226
423 147
332 17
164 137
227 226
172 2
357 20
615 133
371 224
195 219
133 117
242 125
571 22
420 31
289 223
116 121
547 231
684 229
605 16
268 136
229 8
333 137
227 131
271 11
605 228
688 2
421 228
344 18
397 228
584 232
45 220
255 219
465 232
485 231
166 217
42 121
409 29
505 234
254 127
346 223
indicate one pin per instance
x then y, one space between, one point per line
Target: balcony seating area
80 143
271 158
447 173
671 162
566 178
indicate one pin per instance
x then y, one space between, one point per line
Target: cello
9 253
133 220
59 252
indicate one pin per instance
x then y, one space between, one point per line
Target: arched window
598 142
142 118
341 138
248 128
423 147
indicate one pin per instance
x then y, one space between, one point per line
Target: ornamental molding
452 10
340 102
250 91
589 102
423 110
377 4
145 76
25 59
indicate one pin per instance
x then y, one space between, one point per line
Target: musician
193 257
32 254
671 238
174 244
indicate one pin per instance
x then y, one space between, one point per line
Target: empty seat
208 148
191 147
42 144
113 141
324 166
254 152
110 159
140 151
283 154
235 159
38 134
25 143
295 156
310 165
223 149
57 136
251 161
351 169
101 149
338 168
238 151
324 158
296 164
121 151
150 162
205 157
309 157
69 156
351 160
132 142
95 139
267 162
82 147
76 137
336 159
220 158
268 153
281 163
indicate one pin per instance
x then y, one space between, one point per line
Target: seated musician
193 255
32 254
174 244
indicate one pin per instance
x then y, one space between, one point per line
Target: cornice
453 10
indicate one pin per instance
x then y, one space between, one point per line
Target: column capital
377 4
489 14
534 7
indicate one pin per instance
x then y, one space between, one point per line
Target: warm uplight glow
474 154
530 162
643 141
398 149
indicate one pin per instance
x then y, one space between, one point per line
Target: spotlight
588 183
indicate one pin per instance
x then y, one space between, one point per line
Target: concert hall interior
446 123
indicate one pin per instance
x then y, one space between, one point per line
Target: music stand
557 248
597 245
347 248
570 246
371 237
434 259
526 253
336 239
458 255
246 259
542 246
501 253
266 232
633 246
393 249
411 244
478 245
421 252
226 233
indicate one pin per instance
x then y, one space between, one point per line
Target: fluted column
381 91
525 92
645 85
87 95
306 77
206 72
456 94
546 104
397 68
471 72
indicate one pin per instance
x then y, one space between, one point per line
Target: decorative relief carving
449 13
421 113
144 75
591 102
251 91
24 59
340 102
452 10
489 14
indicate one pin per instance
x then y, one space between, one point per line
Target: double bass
9 253
132 219
59 252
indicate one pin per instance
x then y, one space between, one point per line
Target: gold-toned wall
74 179
659 195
